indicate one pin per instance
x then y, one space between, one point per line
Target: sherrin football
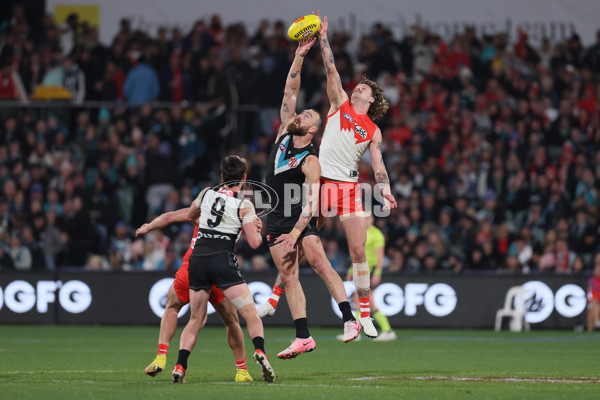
304 27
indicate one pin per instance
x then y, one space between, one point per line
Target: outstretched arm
336 93
312 171
381 177
292 85
164 220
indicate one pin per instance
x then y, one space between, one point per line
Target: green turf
80 362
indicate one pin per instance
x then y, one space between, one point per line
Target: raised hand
389 202
323 28
305 45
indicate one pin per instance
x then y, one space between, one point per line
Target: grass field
77 362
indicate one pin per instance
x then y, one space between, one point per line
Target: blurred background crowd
491 145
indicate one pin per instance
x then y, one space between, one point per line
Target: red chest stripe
361 125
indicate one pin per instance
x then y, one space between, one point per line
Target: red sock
274 299
365 308
163 349
241 364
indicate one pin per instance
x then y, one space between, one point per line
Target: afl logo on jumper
348 117
360 131
282 147
292 162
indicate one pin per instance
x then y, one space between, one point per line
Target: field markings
308 385
75 371
505 379
203 383
435 378
517 338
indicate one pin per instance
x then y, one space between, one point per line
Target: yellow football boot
156 366
242 375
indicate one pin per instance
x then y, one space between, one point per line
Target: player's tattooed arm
309 209
381 176
327 55
292 85
380 148
336 93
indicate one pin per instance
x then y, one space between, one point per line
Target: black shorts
274 232
219 269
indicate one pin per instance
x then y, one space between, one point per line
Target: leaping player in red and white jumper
349 131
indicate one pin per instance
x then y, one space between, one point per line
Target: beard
296 130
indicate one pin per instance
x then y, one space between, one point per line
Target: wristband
377 272
298 58
295 233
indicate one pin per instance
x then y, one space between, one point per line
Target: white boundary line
507 379
308 385
75 371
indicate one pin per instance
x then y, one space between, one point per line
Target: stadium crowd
491 144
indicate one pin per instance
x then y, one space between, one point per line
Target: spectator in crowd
96 263
258 263
20 253
338 260
74 80
51 239
11 85
142 84
154 255
6 260
519 255
69 33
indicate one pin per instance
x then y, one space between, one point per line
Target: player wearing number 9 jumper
349 131
221 213
178 296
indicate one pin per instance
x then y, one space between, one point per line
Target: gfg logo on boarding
569 301
438 299
20 296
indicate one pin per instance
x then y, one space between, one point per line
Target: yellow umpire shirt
375 239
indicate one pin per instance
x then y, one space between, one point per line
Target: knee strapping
360 275
242 301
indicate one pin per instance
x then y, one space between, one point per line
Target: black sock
302 328
259 343
347 314
182 359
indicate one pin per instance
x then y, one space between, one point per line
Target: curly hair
380 106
